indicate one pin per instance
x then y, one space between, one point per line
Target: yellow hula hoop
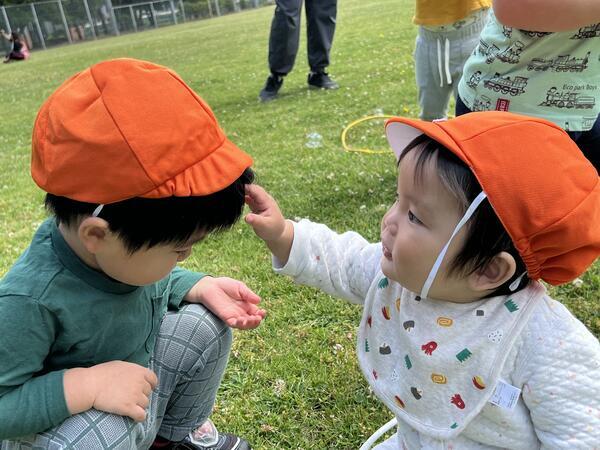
362 150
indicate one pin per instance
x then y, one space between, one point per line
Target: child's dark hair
141 222
486 236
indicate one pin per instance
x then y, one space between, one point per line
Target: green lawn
293 383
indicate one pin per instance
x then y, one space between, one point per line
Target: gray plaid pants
189 359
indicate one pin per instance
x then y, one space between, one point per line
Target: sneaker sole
241 445
312 86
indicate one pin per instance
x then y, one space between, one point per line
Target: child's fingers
254 321
247 294
257 197
248 323
256 221
250 201
253 189
253 310
151 378
137 413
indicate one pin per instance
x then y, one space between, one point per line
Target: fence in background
55 22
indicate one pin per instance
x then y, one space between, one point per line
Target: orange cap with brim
542 188
127 128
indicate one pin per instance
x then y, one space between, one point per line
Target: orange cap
544 191
127 128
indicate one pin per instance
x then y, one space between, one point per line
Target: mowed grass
293 383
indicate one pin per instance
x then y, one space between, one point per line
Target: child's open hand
231 300
266 218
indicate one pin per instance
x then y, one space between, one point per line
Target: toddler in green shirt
104 342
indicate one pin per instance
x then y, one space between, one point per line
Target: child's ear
497 272
93 233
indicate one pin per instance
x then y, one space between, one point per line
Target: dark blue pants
285 34
587 141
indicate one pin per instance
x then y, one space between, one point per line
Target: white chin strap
438 262
97 210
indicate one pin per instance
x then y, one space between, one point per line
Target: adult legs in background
321 21
283 45
285 36
320 29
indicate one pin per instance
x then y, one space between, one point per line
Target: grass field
293 383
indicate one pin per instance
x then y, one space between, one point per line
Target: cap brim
211 174
401 131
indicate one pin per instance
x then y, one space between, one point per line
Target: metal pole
64 21
37 25
133 18
210 13
6 19
218 7
153 14
182 10
173 13
113 17
89 15
255 3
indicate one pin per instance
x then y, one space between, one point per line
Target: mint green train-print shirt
555 76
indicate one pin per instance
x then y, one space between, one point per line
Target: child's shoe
206 437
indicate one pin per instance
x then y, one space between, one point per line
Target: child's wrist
79 389
282 236
281 246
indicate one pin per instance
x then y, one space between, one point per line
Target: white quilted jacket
435 364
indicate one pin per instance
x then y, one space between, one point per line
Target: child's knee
197 335
90 429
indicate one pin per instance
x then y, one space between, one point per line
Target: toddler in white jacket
458 337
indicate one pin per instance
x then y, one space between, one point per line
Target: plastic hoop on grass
362 150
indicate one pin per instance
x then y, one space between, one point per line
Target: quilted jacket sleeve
343 265
562 380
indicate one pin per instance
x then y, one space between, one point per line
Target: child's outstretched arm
268 222
343 265
547 15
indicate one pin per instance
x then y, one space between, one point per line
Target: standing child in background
552 72
458 338
448 33
105 343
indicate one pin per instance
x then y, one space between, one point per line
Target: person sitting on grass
105 342
18 50
458 338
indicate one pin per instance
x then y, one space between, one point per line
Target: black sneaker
225 442
272 86
204 437
321 80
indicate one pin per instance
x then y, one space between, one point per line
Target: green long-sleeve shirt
58 313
